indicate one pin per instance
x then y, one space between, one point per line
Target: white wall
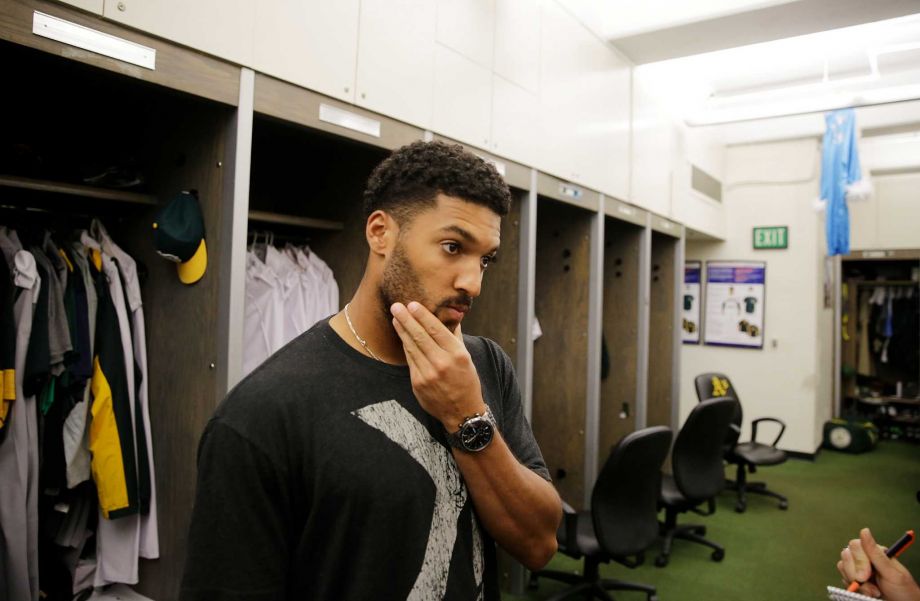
774 184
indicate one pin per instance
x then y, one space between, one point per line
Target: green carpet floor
783 555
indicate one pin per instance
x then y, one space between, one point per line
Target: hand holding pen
873 571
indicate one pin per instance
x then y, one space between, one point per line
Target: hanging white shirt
329 285
312 281
293 322
263 314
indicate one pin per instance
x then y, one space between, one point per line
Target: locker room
689 370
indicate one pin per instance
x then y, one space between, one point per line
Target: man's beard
401 284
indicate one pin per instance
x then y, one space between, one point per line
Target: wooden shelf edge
304 222
40 185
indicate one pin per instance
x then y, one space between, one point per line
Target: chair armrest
567 535
782 428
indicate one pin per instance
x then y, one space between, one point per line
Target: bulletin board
735 299
691 302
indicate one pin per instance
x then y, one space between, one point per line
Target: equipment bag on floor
850 436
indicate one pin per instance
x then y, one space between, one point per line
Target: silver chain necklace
362 341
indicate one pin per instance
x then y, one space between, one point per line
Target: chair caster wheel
718 555
533 584
661 561
784 505
740 507
653 598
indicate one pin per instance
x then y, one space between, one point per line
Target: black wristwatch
475 433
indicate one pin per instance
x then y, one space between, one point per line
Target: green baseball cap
178 236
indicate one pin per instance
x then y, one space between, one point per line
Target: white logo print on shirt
450 496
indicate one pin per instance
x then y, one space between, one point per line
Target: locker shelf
304 222
77 190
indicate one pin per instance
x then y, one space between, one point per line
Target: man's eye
451 248
486 261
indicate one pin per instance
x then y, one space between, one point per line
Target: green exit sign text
771 237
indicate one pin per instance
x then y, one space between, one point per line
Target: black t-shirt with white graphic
321 477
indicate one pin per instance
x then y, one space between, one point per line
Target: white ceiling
622 18
749 70
653 30
780 89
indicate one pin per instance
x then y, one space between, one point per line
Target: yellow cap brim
193 270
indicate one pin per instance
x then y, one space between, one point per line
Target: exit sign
771 237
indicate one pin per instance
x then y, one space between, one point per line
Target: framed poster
691 300
735 295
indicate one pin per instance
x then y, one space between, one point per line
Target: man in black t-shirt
382 454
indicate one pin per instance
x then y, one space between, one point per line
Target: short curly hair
410 179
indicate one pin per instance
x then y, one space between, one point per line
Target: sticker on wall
691 299
735 295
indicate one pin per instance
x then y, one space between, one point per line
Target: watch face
476 434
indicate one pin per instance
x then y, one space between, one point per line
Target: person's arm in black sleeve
238 540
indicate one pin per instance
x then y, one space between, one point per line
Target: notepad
838 594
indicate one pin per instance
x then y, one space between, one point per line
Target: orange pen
893 551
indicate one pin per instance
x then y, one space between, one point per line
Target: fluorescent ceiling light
858 66
800 106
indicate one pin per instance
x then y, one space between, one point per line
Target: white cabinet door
311 43
462 98
517 42
603 128
396 43
898 198
560 98
219 27
652 150
514 113
93 6
469 28
864 222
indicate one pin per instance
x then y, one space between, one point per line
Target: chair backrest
697 456
715 385
624 502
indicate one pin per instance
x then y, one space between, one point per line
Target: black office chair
698 474
623 519
748 456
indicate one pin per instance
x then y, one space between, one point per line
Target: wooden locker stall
623 228
560 356
71 119
309 172
495 312
662 347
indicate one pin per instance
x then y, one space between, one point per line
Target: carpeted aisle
784 555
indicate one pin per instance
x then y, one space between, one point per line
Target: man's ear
381 231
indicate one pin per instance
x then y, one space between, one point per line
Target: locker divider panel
181 378
620 326
661 329
560 355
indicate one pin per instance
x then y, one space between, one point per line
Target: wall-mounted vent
705 184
